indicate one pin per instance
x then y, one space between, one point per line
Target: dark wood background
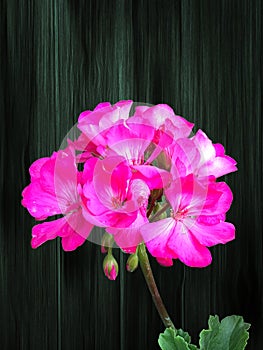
59 58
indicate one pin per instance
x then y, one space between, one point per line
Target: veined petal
156 235
124 107
153 176
211 219
110 179
72 241
210 235
73 229
131 149
35 168
129 238
187 248
46 231
194 197
185 157
218 167
205 146
216 200
39 203
58 177
88 171
77 225
163 114
139 110
91 200
186 192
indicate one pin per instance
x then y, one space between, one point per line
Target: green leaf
230 334
173 339
192 347
184 335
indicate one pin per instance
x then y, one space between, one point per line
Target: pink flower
112 197
168 127
163 119
128 139
134 167
54 190
94 125
131 140
196 222
199 156
213 159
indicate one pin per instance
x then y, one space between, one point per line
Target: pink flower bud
110 267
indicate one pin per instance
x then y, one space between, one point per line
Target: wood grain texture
59 58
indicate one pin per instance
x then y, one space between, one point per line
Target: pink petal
195 197
131 149
138 195
73 229
77 225
165 261
124 108
102 105
110 181
95 123
205 146
88 171
139 110
65 179
220 151
72 242
153 176
186 192
210 235
218 167
93 117
46 231
35 168
39 203
187 248
156 235
211 220
185 158
162 113
84 144
109 218
217 200
129 238
58 177
92 201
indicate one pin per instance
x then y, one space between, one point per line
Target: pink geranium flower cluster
143 179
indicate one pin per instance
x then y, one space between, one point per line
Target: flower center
179 215
116 202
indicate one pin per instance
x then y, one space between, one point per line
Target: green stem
148 275
164 208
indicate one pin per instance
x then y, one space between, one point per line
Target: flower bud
110 267
106 242
132 262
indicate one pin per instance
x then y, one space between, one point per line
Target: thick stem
148 275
